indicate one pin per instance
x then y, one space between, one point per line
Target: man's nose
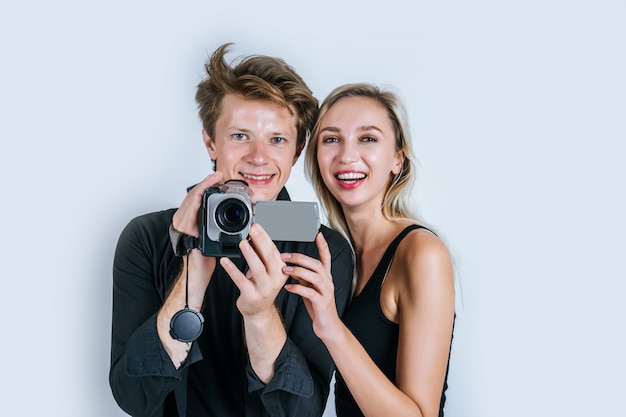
259 152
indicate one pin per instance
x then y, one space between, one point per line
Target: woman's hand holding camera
315 286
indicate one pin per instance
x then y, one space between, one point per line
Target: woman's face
356 151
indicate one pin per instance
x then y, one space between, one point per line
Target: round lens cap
186 325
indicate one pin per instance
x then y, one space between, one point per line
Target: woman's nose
348 153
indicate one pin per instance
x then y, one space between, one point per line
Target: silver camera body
227 213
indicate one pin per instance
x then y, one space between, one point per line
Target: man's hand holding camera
199 272
264 331
264 279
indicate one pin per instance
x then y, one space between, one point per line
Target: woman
392 346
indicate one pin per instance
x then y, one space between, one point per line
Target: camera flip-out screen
295 221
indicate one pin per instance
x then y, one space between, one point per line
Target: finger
302 260
306 277
303 267
322 247
268 255
209 181
239 279
304 292
195 194
263 245
255 264
185 219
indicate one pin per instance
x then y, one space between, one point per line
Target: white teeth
351 176
257 177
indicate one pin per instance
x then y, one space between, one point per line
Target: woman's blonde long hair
397 202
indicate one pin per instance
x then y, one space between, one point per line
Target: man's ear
209 144
297 155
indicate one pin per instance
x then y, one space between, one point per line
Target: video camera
226 214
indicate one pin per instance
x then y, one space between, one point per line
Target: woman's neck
369 230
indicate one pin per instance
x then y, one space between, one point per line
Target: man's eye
278 140
239 136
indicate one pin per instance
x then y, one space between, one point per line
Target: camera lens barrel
232 215
224 218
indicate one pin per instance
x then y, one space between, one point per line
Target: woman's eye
368 139
330 139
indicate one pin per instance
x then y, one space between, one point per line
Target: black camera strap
186 325
189 243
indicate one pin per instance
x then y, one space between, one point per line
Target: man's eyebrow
239 129
249 131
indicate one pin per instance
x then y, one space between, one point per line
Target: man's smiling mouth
257 177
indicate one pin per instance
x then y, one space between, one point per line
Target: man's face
255 141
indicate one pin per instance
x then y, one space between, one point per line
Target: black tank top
378 335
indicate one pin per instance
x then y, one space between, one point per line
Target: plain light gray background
518 114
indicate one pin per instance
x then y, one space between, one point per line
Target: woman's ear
398 163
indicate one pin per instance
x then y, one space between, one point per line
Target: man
256 354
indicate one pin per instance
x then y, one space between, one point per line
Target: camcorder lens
232 215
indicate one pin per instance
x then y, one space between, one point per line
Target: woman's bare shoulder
420 256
